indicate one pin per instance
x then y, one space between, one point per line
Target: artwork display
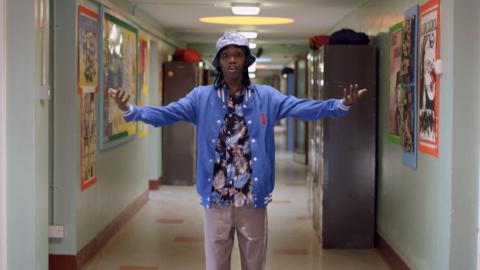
119 46
87 77
88 146
395 81
407 97
143 78
87 50
429 83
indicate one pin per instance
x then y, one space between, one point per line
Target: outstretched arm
310 109
181 110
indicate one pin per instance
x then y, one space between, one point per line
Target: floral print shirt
232 171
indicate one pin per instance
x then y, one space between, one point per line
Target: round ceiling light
246 20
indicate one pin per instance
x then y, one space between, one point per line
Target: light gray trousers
221 223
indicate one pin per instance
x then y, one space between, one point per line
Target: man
236 152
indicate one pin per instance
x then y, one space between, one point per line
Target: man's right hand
119 97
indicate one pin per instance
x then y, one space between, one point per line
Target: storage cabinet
344 150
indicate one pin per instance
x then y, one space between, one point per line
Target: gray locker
178 152
344 173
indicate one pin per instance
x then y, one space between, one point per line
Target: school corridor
354 123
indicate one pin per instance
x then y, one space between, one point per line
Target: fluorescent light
252 45
249 35
245 9
246 20
263 60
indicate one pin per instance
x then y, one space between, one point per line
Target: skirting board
389 255
86 254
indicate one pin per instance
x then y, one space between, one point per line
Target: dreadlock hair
219 79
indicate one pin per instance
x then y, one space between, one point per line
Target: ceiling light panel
245 9
249 35
246 20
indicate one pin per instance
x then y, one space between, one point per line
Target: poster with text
428 81
143 78
88 66
88 145
395 82
407 98
119 47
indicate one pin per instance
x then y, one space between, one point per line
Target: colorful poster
143 78
428 81
395 82
87 51
119 46
88 145
407 97
87 78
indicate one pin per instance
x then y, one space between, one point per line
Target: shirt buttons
209 180
213 140
219 122
244 106
253 140
224 106
255 159
256 179
249 122
211 160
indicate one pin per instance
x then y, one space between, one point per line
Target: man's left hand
352 95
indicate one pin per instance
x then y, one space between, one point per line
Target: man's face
232 62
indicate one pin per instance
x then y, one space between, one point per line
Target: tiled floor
167 233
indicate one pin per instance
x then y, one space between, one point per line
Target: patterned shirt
232 170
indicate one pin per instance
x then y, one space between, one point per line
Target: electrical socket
56 231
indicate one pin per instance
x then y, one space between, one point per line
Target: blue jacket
205 107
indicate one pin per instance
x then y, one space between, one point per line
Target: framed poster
87 55
143 78
395 82
119 62
428 81
87 80
88 146
408 93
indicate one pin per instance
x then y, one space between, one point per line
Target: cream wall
3 112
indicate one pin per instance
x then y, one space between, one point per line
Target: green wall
122 172
429 215
27 142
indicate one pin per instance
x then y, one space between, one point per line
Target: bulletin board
120 59
143 78
395 81
407 99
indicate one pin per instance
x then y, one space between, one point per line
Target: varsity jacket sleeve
306 109
183 109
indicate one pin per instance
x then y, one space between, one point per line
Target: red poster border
85 184
431 6
94 15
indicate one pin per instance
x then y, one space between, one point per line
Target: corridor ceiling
180 19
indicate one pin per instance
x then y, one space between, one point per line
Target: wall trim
389 255
3 130
155 183
88 252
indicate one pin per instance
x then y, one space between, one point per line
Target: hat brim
248 62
